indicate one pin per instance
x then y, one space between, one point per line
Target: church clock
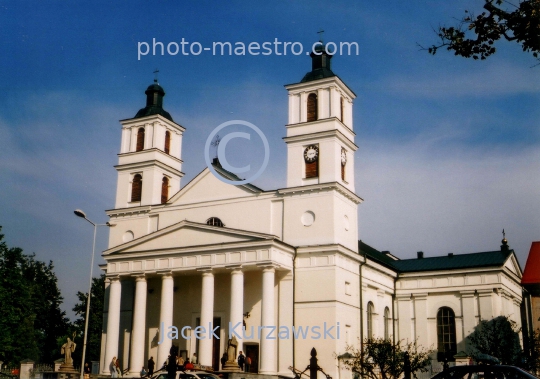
311 153
311 158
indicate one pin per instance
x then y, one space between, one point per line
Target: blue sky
448 153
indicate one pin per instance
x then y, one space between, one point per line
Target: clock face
311 153
343 157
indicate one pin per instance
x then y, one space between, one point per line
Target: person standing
248 363
171 365
143 372
241 361
112 368
151 365
194 358
118 368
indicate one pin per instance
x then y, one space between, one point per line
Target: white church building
211 253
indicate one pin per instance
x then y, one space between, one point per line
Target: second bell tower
149 164
320 137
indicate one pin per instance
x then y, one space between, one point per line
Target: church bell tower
149 164
320 137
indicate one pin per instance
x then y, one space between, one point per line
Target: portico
191 288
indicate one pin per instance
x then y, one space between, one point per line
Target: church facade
281 270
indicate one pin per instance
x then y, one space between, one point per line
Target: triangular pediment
186 234
513 265
206 187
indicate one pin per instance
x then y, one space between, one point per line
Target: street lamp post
81 214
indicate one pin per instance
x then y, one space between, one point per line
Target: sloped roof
531 274
450 262
446 262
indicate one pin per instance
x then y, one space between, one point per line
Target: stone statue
67 349
231 349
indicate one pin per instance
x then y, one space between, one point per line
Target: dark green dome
320 65
154 102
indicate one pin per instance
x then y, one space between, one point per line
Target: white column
165 317
268 362
420 318
207 316
237 302
113 322
104 327
136 360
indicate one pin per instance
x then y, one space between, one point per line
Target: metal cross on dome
156 72
320 33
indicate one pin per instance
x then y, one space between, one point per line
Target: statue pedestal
67 368
231 367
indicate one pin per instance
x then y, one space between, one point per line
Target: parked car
190 375
484 372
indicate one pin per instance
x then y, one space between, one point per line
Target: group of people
171 365
115 368
244 362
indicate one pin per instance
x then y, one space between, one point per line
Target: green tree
533 358
93 343
382 358
499 338
475 36
31 319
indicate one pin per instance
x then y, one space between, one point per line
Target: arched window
214 221
446 334
370 311
386 323
312 114
140 140
136 188
164 190
167 142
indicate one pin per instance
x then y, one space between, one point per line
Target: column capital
205 270
165 273
139 277
467 293
234 268
420 296
113 278
268 267
485 292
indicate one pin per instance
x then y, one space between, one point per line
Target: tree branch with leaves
382 359
475 36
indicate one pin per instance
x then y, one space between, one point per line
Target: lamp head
79 213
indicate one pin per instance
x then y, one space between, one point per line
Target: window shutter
341 109
167 142
343 171
140 140
312 107
136 188
164 190
312 169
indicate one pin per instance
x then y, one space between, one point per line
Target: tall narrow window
140 140
386 323
446 334
341 109
370 311
312 107
164 190
136 188
167 142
